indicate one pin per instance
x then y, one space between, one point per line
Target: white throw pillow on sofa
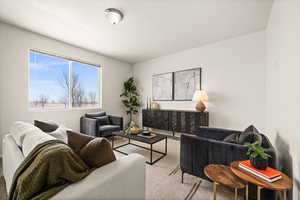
34 138
27 136
60 133
18 131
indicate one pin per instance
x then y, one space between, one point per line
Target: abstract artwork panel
162 87
185 84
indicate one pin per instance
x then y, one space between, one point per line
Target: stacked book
269 174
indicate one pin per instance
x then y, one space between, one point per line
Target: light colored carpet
163 179
161 183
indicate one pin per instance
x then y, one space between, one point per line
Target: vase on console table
199 97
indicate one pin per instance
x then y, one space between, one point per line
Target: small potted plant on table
258 157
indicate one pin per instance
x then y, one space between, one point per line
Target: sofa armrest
214 133
115 120
89 126
193 154
121 179
12 159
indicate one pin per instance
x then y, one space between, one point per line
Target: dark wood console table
183 121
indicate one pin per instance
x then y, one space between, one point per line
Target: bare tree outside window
65 100
56 82
43 100
77 92
92 96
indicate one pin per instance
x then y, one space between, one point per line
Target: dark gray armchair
207 147
100 125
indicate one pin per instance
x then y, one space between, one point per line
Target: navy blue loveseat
207 147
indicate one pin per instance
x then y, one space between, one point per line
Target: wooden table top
283 184
222 174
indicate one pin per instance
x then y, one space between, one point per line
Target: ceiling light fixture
114 16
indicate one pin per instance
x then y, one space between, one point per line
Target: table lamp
199 97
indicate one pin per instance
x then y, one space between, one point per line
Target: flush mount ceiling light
114 16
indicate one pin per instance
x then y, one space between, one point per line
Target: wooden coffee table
281 185
221 174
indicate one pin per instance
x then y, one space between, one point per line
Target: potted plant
258 157
130 98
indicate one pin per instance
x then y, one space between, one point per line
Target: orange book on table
269 172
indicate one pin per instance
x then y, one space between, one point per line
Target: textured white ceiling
151 28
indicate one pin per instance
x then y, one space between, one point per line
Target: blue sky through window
49 78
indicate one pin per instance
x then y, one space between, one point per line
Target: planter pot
259 163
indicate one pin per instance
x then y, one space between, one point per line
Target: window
60 83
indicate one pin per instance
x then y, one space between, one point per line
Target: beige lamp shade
200 95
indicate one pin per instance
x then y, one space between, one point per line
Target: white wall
283 86
233 74
14 46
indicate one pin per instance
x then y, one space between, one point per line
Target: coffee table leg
112 142
215 190
235 194
258 192
247 192
151 154
166 146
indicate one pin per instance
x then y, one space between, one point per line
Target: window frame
69 108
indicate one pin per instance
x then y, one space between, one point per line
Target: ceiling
151 28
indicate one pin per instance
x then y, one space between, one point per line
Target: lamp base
200 106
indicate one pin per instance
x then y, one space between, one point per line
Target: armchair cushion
60 133
251 135
97 114
109 128
103 120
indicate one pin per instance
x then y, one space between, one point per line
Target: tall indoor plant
130 98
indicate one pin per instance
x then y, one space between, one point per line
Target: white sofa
121 179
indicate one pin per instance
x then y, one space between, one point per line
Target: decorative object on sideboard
147 103
185 83
199 97
162 87
155 105
258 157
130 98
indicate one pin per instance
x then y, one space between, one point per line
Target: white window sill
63 109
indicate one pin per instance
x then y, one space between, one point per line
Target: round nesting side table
281 185
221 174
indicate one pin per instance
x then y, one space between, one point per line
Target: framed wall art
185 84
162 87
